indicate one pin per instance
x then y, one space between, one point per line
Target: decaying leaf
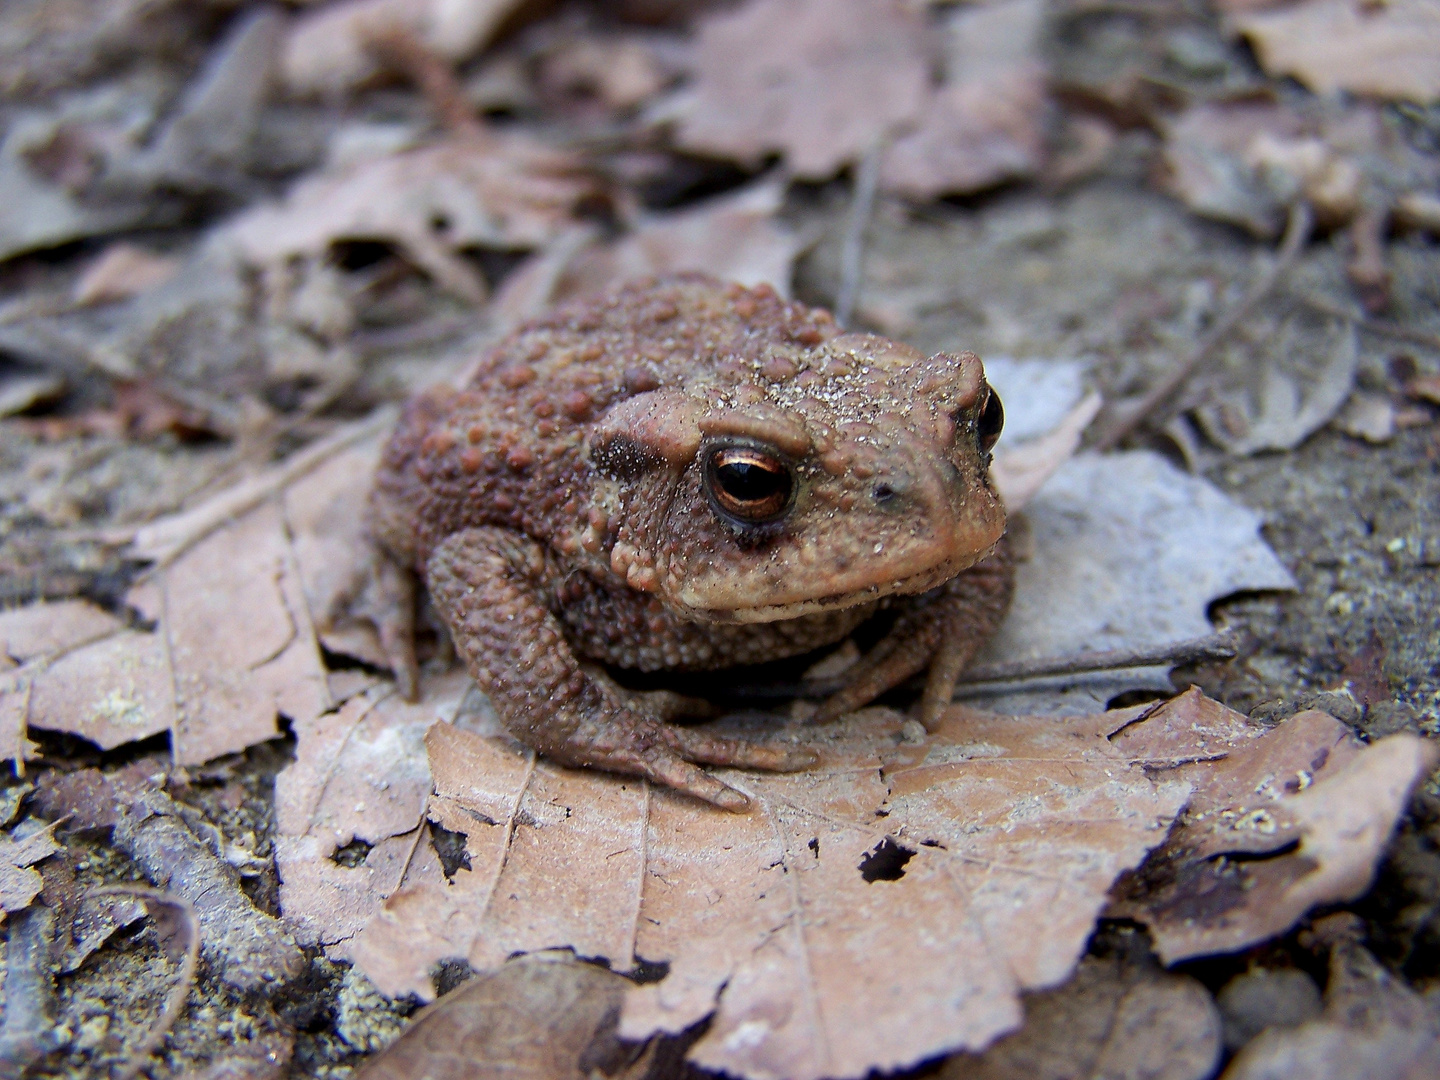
360 773
1373 1024
1281 820
123 271
1128 552
817 81
33 636
232 649
546 1017
1305 372
1112 1019
985 125
1388 50
735 237
19 883
505 190
906 863
329 50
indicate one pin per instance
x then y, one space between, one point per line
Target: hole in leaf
649 971
352 854
449 973
885 861
450 847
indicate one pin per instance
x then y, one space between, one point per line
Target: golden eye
750 485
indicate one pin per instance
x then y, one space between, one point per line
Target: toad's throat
920 581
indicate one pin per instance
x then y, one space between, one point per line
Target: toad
689 475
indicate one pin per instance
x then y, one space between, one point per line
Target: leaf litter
394 815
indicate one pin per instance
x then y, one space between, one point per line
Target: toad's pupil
748 484
992 420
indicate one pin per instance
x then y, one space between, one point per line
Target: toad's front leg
490 586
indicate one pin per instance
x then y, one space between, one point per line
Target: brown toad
689 475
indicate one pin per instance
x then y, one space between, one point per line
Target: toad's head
854 470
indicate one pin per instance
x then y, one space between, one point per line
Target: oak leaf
1389 50
501 190
818 81
1282 820
944 874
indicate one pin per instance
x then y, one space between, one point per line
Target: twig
175 1000
165 539
1297 231
1213 647
852 254
1192 650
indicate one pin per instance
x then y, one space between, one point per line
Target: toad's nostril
883 493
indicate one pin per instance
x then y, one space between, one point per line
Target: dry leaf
735 237
536 1018
621 72
1307 806
359 773
33 637
1275 401
328 51
1367 416
1373 1026
1207 166
19 884
1112 1019
233 648
943 874
1020 470
123 271
1389 49
817 81
986 124
504 191
1128 553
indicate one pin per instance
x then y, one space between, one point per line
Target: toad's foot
495 589
941 630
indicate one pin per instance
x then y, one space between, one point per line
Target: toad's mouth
919 581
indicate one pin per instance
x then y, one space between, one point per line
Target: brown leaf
1112 1019
505 191
736 237
944 874
1306 805
1387 50
232 649
123 271
19 884
986 124
52 627
359 773
818 81
328 51
536 1018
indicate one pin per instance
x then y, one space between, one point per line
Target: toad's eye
990 421
747 484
